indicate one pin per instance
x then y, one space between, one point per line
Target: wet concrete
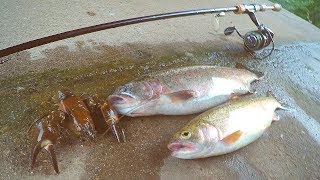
289 149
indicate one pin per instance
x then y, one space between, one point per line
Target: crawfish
84 116
101 110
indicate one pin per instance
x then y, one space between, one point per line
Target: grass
306 9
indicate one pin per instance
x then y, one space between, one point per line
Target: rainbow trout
181 91
225 128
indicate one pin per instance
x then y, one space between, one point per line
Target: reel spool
255 40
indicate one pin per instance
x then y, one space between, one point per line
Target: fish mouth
181 149
122 98
177 146
128 109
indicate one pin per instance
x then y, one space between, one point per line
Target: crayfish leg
115 131
115 128
123 135
48 146
112 120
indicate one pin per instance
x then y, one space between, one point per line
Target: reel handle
243 8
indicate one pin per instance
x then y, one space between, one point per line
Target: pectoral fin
234 96
183 95
232 137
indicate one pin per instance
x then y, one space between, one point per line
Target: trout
225 128
181 91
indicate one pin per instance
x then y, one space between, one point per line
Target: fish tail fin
286 108
259 74
282 105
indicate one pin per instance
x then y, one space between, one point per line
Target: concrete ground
97 63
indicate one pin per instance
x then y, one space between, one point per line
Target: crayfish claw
34 154
50 149
48 146
44 134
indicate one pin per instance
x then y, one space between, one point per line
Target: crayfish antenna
48 146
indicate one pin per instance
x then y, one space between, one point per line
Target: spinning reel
255 40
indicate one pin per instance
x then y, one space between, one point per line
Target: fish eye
186 134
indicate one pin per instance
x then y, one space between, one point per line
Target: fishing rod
253 41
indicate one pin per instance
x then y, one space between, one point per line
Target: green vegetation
307 9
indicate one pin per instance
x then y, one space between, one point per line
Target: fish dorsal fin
232 137
183 95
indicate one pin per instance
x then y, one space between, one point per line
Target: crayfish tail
52 153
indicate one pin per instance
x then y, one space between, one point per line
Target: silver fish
181 91
225 128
